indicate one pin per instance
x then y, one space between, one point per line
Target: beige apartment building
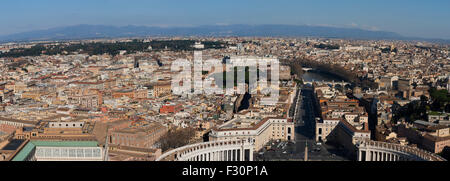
324 128
257 131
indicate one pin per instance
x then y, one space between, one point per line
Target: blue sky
419 18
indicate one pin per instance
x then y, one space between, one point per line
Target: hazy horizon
413 18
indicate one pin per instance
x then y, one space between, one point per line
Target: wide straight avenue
304 117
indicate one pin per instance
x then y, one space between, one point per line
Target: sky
416 18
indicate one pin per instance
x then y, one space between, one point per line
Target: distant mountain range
104 31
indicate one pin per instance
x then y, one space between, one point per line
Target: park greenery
98 48
176 138
326 46
441 100
420 109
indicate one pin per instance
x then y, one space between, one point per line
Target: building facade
258 131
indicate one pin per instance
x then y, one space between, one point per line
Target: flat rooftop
240 123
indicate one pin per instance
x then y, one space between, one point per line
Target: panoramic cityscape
259 89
